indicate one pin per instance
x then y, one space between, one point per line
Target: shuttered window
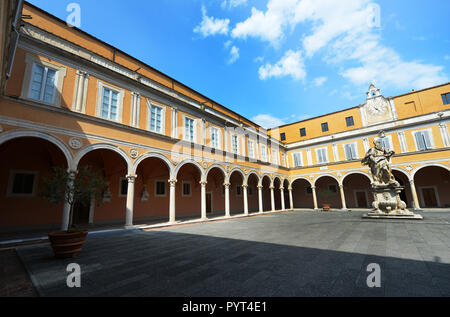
423 140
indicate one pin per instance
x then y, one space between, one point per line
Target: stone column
244 190
260 202
66 209
314 197
282 198
203 199
227 199
341 189
172 184
414 195
291 200
130 200
272 198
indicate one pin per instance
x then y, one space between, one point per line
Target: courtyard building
169 153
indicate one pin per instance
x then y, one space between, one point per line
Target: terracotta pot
326 207
67 244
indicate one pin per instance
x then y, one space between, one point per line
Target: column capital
271 187
313 187
281 188
227 184
260 186
203 182
172 181
341 185
131 178
244 185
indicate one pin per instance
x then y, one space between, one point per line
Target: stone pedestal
387 203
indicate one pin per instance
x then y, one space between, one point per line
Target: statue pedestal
387 203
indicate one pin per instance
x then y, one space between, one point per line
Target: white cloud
211 26
267 121
291 64
234 54
319 81
232 3
347 31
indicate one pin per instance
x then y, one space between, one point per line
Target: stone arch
14 134
414 171
327 175
237 169
355 172
301 177
149 155
188 161
102 146
252 173
220 167
261 179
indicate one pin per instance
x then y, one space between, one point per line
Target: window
186 189
297 158
234 144
283 159
322 155
214 137
22 183
123 187
283 136
189 132
303 132
160 188
238 190
325 127
332 188
251 149
263 153
156 115
43 83
274 157
423 140
350 151
109 107
349 121
446 98
309 190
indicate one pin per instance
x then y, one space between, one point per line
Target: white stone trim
150 104
98 109
430 132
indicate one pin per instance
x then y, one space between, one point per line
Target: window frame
326 155
355 148
389 138
263 152
325 124
304 130
301 159
283 136
102 85
431 139
156 188
151 104
61 71
182 189
446 96
347 121
235 137
217 129
194 129
10 186
251 145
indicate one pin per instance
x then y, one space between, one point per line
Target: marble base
377 215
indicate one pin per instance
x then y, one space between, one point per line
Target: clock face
376 107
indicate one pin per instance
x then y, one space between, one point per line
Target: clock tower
377 108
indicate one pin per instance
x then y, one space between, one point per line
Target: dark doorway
80 214
429 197
361 199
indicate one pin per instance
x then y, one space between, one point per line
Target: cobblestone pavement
301 253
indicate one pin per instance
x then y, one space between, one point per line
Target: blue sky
279 61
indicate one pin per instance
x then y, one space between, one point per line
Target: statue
385 189
379 159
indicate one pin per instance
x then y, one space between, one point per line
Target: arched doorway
265 182
215 192
24 163
252 191
327 192
432 186
236 180
357 190
188 190
152 192
406 194
277 192
302 193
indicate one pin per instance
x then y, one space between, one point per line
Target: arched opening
24 163
406 194
327 192
112 208
357 191
236 193
252 192
266 193
188 192
277 193
302 194
432 186
215 193
151 191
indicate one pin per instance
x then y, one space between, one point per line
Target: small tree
64 186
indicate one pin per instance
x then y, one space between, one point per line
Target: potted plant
326 193
63 186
